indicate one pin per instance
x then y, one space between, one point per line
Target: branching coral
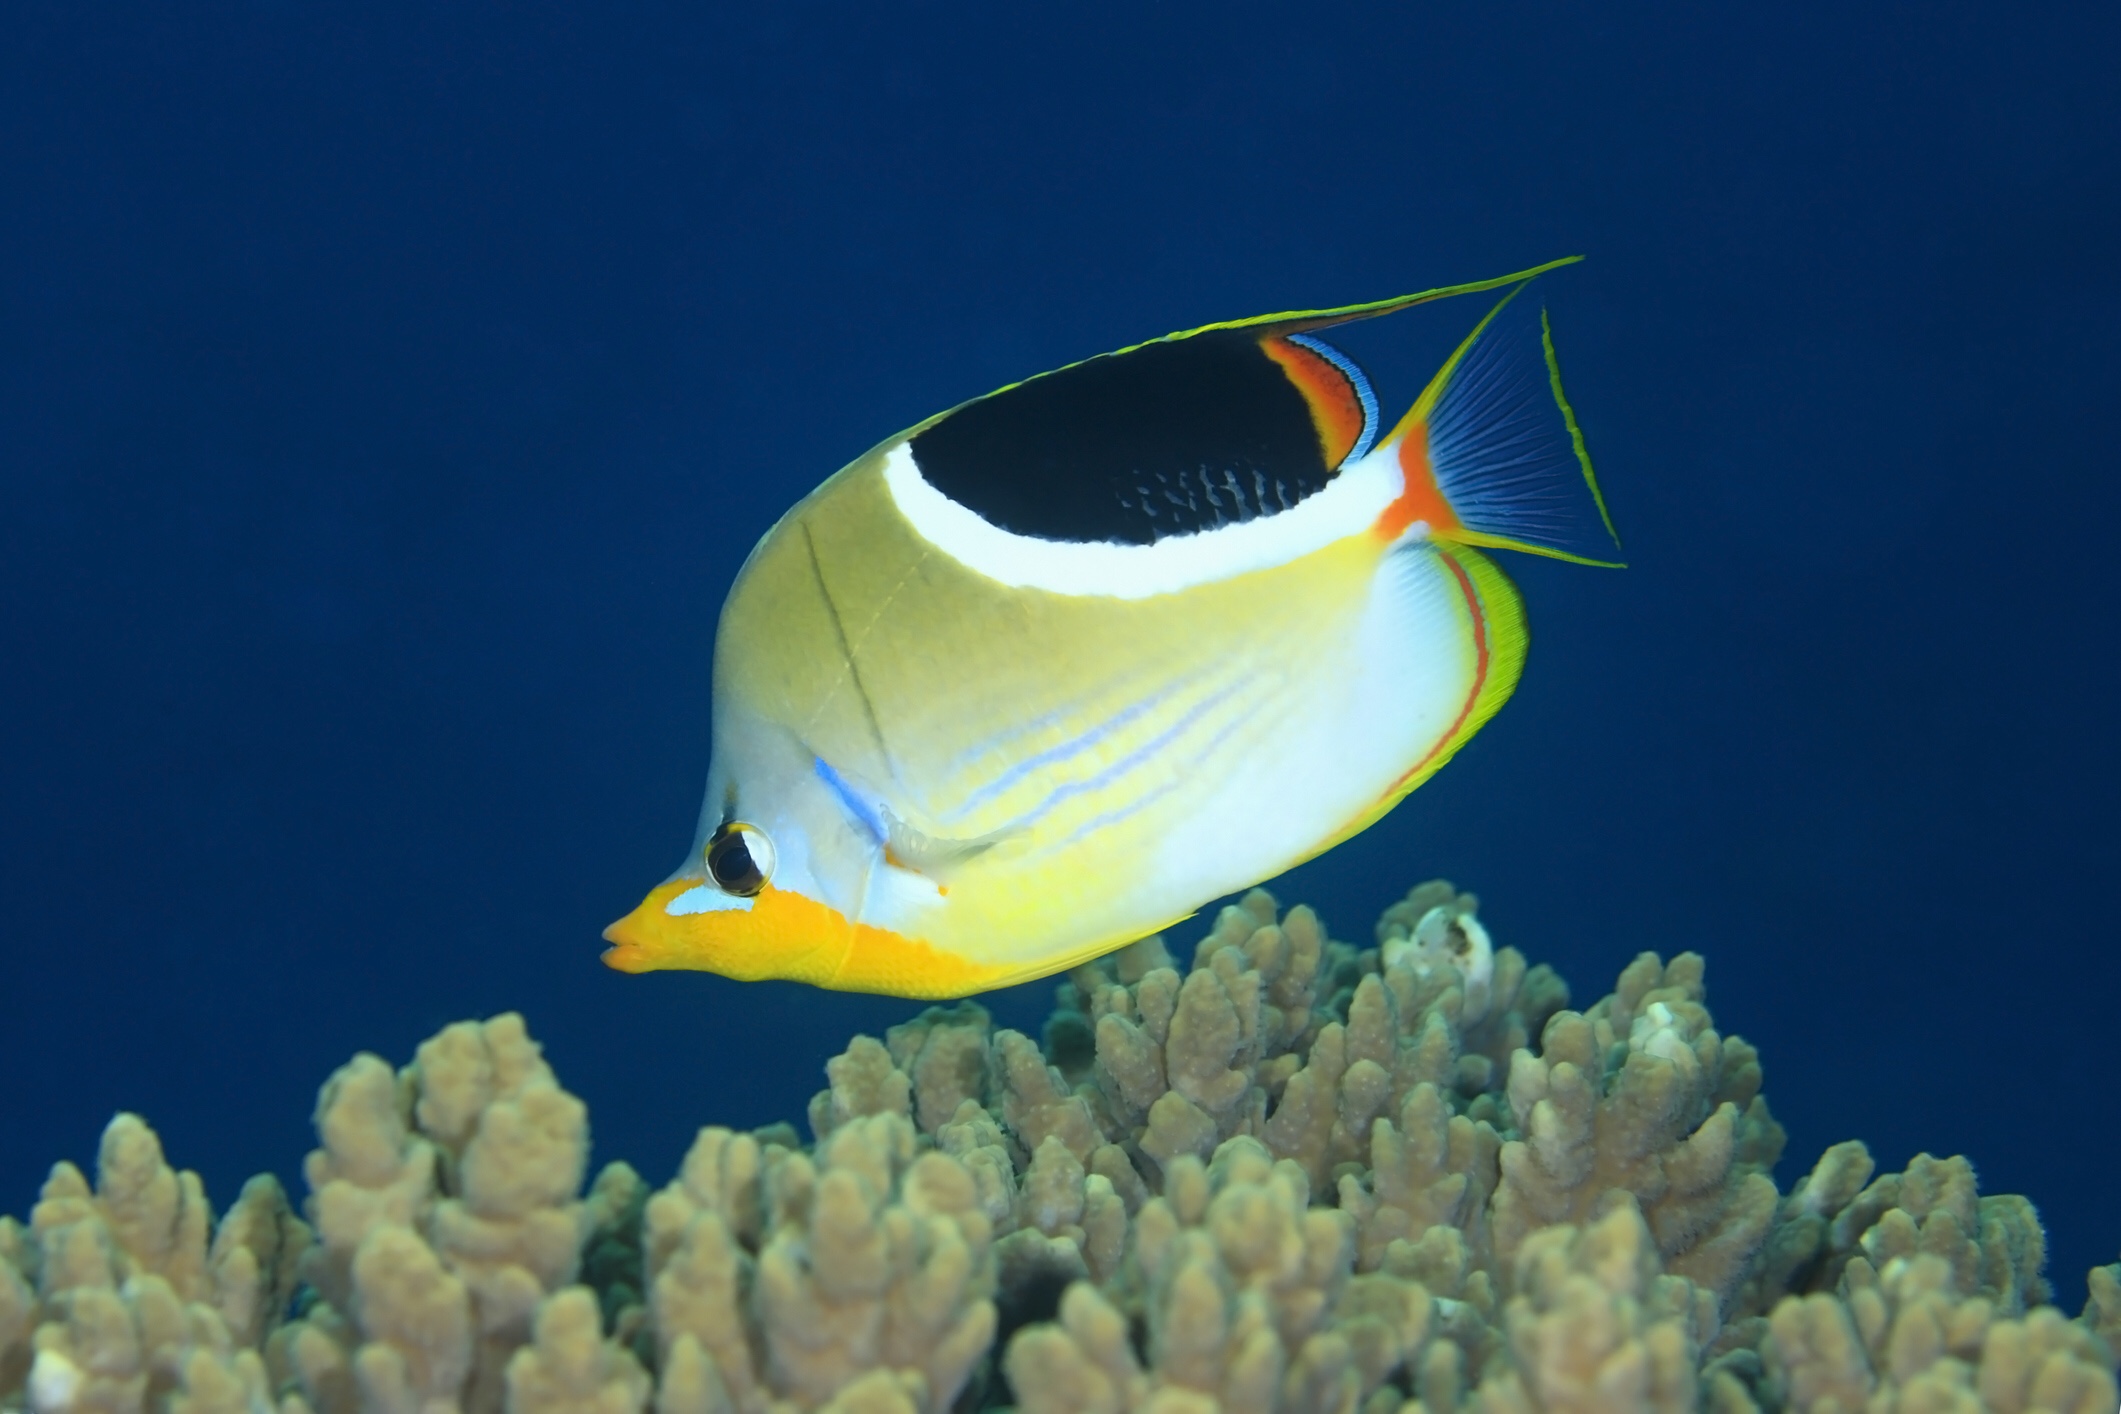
1241 1281
1293 1176
1594 1326
1640 1095
446 1205
781 1278
1908 1337
137 1309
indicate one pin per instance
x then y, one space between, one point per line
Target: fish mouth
663 935
690 925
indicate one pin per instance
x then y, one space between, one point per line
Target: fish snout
684 924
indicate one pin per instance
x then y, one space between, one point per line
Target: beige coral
415 1319
515 1148
569 1368
1676 1123
135 1308
1292 1176
1053 1190
1904 1337
1462 1006
782 1279
2102 1305
446 1201
1326 1107
878 1258
370 1170
1239 1277
18 1305
1431 1172
1994 1244
943 1053
256 1259
1185 1062
1594 1328
1069 1224
705 1344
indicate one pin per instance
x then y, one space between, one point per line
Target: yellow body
848 637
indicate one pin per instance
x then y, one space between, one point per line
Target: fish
1051 670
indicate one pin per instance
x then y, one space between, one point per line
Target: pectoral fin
935 857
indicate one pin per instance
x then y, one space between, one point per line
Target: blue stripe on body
1113 817
871 819
1054 755
1125 766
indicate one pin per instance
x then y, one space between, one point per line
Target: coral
569 1368
1292 1175
783 1277
133 1306
446 1204
1430 1179
1594 1326
1640 1095
1241 1279
1908 1337
2102 1307
1993 1245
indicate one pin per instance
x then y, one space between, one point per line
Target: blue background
389 392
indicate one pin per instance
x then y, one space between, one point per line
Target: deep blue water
388 394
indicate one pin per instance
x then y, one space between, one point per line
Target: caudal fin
1491 451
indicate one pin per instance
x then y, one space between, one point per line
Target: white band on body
1352 502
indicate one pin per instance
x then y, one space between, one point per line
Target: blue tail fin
1494 435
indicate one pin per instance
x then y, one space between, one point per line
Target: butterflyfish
1051 670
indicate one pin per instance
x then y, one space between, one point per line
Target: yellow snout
788 936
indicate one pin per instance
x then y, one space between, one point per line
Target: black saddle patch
1167 439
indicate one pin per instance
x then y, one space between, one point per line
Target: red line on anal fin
1480 681
1421 499
1480 672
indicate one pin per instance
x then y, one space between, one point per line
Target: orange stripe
1336 412
1422 499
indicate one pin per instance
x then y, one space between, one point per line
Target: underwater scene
1158 708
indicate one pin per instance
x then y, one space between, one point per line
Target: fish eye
740 858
